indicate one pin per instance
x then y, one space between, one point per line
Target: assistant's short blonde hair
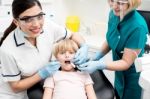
65 45
133 4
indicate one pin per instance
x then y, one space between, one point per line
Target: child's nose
67 54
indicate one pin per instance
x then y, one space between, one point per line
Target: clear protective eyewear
31 19
121 4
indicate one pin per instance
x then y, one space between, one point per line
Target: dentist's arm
119 65
127 60
23 84
77 38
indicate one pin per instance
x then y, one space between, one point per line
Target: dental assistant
126 38
26 48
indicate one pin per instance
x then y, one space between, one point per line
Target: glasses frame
30 19
119 2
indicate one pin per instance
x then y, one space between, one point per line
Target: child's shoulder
83 73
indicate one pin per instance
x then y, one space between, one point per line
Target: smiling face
65 51
119 7
31 21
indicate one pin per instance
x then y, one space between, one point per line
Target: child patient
68 83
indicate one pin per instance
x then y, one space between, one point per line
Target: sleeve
49 82
9 68
88 79
60 32
137 39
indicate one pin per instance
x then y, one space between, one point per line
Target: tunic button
118 37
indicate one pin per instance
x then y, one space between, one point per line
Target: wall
92 13
145 5
88 10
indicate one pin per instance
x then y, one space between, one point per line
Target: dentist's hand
97 56
49 69
81 55
92 66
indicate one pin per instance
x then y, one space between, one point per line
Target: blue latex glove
81 55
49 69
92 66
97 56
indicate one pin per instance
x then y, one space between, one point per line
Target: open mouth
67 62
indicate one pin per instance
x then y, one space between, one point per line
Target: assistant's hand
92 66
81 55
97 56
49 69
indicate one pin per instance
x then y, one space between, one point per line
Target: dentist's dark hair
18 7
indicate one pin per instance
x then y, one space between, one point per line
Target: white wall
90 11
145 5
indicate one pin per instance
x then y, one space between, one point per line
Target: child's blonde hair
65 45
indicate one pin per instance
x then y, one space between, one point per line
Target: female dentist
126 38
26 49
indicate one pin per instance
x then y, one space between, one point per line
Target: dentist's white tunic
24 59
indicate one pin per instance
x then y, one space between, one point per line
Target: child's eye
72 52
62 52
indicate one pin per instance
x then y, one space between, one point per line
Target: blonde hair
133 4
65 45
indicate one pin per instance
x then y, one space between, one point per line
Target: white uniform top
5 90
25 59
68 85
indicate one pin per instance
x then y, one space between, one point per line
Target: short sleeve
55 31
49 82
137 39
60 32
9 68
88 79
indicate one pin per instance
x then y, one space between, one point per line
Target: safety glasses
30 19
120 2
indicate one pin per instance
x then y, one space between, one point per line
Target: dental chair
36 92
102 86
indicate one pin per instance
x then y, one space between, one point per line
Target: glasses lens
30 19
122 1
119 1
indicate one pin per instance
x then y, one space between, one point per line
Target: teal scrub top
127 33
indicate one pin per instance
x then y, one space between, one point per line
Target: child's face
65 58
